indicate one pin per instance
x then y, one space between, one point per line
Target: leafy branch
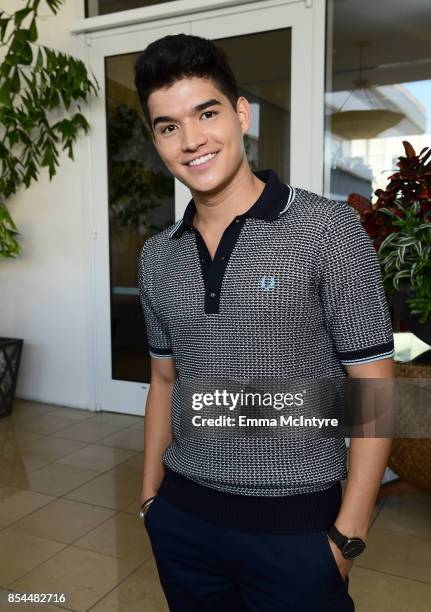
406 255
399 223
37 85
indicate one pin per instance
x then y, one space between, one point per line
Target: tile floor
69 489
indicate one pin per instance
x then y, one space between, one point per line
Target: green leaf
55 99
388 266
386 211
49 58
66 99
21 15
422 226
5 216
54 5
402 274
13 137
66 129
418 247
39 60
80 122
389 238
69 147
5 98
26 54
405 242
20 37
25 138
416 207
412 272
15 82
3 27
32 32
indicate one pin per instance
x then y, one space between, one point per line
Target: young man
258 279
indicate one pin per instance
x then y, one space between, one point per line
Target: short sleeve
355 306
159 343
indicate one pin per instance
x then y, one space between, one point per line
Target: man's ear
243 110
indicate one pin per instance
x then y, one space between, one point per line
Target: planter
400 307
10 358
410 458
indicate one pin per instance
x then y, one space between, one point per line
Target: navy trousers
208 568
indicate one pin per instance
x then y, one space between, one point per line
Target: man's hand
344 565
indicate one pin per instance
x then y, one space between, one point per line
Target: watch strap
337 537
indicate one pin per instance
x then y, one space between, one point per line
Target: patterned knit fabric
327 309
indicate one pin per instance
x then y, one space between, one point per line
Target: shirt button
222 257
212 294
237 220
203 259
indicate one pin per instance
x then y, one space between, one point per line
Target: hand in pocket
344 565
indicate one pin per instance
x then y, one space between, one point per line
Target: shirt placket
213 270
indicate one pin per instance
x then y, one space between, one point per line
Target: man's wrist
146 498
350 545
145 505
352 530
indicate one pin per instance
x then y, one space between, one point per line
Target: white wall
45 293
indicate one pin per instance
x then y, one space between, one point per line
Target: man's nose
192 137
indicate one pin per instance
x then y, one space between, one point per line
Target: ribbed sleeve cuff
160 353
372 353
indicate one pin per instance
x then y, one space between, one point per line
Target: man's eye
166 128
210 113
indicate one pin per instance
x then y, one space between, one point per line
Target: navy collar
274 200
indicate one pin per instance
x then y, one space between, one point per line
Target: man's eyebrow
199 107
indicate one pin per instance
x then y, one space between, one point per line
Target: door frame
307 19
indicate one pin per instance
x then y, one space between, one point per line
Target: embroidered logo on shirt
266 283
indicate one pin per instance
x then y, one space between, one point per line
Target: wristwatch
350 547
144 507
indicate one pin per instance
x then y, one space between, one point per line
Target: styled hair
178 56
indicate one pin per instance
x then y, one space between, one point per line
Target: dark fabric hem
301 513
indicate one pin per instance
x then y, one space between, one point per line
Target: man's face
193 119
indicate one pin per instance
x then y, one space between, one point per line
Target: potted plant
399 223
10 357
40 92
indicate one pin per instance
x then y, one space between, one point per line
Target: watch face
353 548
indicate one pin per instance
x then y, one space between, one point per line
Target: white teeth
202 160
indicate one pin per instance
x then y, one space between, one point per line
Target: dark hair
177 56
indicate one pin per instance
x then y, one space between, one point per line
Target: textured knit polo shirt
326 309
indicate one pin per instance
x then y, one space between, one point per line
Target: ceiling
398 33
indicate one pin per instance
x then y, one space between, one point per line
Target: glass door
272 49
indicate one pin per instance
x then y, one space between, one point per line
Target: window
103 7
378 90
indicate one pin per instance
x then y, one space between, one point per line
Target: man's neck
215 211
